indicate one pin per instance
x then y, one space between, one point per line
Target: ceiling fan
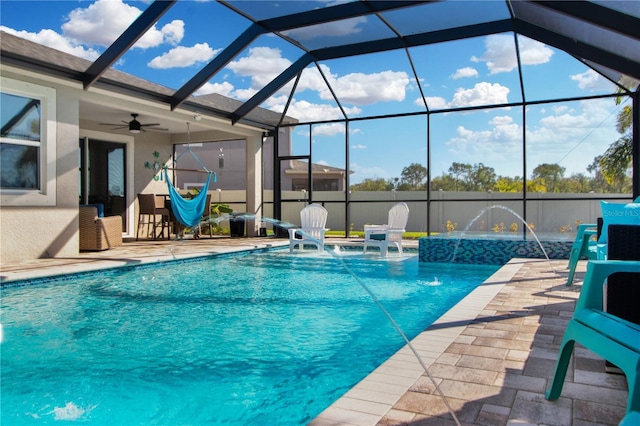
134 125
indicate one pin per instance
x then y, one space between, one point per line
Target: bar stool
148 212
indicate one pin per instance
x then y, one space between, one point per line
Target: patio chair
313 219
583 247
631 419
383 236
609 336
98 233
149 208
623 290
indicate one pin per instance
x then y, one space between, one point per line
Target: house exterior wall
32 232
38 232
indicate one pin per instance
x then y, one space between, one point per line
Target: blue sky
475 72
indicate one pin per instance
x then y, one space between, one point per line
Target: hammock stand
189 211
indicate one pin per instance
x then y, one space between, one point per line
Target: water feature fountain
492 248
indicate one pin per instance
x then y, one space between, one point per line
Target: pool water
267 338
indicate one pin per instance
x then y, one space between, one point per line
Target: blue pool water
266 338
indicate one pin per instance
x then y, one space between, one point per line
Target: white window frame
46 195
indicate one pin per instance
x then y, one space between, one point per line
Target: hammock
187 211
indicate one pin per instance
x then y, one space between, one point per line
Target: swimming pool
266 338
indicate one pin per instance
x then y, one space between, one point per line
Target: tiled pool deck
492 355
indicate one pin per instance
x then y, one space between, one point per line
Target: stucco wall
39 232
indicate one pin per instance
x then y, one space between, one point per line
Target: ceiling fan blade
118 127
134 125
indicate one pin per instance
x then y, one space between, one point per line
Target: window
27 144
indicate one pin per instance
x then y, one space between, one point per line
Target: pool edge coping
374 396
61 268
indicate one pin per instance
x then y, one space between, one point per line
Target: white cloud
465 72
356 88
434 102
100 24
306 111
573 136
103 21
244 94
365 89
343 28
224 88
501 120
533 52
331 129
54 40
312 80
358 146
182 56
173 32
261 65
503 140
481 94
591 80
500 53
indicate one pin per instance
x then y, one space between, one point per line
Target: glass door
103 176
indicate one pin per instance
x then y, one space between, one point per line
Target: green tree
551 174
460 174
372 185
598 182
508 184
481 178
579 183
414 175
536 185
444 183
616 159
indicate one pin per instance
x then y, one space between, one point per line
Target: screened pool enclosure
451 106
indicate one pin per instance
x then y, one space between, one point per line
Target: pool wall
487 250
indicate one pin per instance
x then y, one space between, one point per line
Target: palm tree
616 159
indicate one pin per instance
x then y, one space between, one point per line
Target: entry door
103 176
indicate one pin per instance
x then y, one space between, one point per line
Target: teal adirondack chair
584 246
611 337
631 419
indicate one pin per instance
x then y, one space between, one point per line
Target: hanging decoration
156 166
221 162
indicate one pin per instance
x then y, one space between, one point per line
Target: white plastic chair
390 234
313 218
